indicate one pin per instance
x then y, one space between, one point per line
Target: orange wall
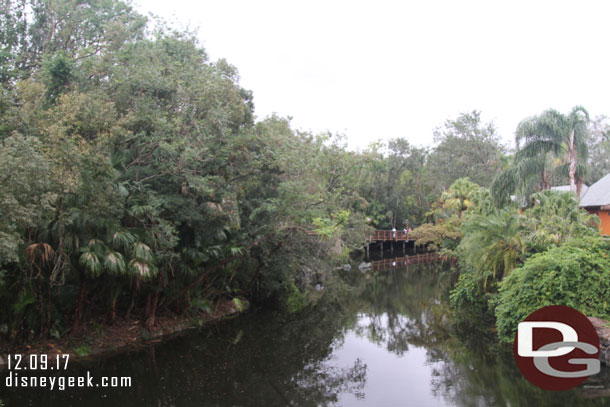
605 218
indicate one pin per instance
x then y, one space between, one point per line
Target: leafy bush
471 290
471 297
557 217
443 234
577 275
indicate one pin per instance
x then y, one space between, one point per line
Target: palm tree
525 177
494 243
541 142
459 195
565 136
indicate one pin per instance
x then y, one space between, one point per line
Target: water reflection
383 338
403 263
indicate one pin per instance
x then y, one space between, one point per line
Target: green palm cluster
494 243
550 147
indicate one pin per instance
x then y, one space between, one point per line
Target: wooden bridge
404 262
382 236
390 236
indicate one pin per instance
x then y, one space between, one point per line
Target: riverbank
99 338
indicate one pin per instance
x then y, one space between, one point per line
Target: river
383 338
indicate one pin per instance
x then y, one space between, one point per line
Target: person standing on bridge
394 232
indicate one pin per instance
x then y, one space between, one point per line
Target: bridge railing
385 235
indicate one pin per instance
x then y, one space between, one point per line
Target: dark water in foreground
379 339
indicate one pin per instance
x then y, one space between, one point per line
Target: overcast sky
382 69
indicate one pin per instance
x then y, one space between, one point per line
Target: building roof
598 194
566 188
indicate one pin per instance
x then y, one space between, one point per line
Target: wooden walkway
390 236
402 262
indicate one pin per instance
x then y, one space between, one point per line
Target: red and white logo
556 348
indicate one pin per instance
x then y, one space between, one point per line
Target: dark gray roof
598 193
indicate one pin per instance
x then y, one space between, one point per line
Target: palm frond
142 269
115 263
122 239
40 251
141 251
91 262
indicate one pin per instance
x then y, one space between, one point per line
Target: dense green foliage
497 242
136 178
540 248
493 243
439 235
467 148
577 275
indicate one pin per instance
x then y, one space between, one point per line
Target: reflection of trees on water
406 309
263 359
331 381
267 359
469 376
469 367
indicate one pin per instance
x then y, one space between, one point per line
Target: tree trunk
48 323
112 311
545 184
572 162
42 314
150 320
78 313
132 301
148 310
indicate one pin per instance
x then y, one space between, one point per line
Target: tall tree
466 147
524 177
551 148
565 136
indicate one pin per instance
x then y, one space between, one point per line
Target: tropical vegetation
535 249
136 180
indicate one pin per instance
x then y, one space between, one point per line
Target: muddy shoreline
100 339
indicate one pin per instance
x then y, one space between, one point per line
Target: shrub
443 234
576 274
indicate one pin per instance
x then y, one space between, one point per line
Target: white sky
382 69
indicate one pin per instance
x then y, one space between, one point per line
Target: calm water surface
377 339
